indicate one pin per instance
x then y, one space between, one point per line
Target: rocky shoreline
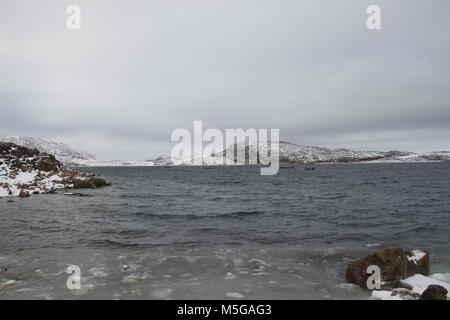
25 171
404 275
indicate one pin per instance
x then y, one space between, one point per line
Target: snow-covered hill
68 155
436 156
61 151
293 153
289 153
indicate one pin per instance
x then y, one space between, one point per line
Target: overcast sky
137 70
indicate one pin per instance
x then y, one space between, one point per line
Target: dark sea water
190 232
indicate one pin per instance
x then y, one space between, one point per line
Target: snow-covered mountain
61 151
293 153
289 153
68 155
435 156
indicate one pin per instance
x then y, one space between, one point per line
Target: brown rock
51 191
434 292
77 194
48 163
87 181
405 294
394 265
24 194
418 262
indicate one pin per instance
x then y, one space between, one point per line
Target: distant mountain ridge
289 153
293 153
68 155
61 151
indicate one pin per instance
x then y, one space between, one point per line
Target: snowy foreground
11 183
418 284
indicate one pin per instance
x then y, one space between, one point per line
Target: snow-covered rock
418 284
395 294
25 171
395 264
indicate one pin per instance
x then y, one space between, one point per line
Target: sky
137 70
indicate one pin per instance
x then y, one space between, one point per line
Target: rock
51 191
394 262
124 268
24 194
235 295
8 284
434 292
77 194
396 294
90 182
26 171
418 262
132 278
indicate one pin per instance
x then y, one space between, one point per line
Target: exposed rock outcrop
434 292
25 171
395 264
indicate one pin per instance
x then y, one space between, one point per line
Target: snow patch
419 283
416 255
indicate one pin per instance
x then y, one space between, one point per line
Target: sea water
222 233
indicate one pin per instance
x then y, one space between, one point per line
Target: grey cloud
137 70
